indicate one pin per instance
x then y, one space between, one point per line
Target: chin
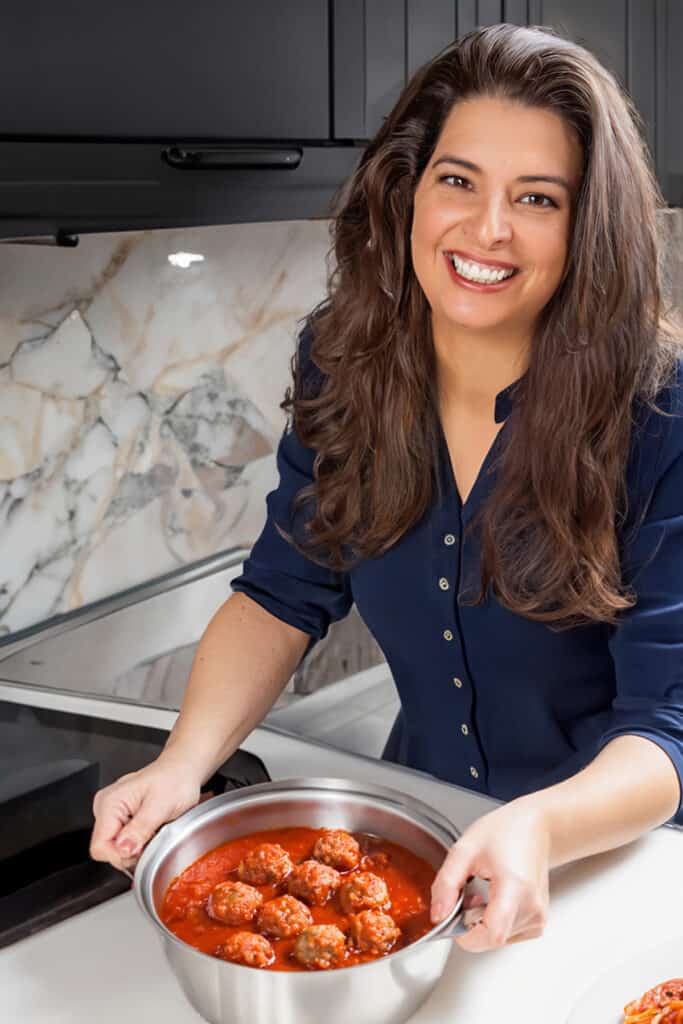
476 322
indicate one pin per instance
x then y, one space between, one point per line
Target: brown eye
545 202
462 182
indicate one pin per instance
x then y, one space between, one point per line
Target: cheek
432 220
550 257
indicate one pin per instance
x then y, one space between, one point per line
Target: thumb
456 870
140 829
112 811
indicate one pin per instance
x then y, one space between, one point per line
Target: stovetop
51 766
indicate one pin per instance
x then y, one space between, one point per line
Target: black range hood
165 113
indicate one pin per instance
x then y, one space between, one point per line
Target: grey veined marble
141 375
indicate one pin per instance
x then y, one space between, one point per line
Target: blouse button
443 583
449 539
447 635
464 729
474 773
458 682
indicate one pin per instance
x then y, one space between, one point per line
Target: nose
491 221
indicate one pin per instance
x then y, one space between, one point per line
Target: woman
486 453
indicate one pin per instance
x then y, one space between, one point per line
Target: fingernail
127 848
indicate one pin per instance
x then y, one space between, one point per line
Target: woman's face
476 206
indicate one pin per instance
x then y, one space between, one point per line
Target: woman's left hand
510 847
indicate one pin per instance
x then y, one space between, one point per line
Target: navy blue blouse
491 700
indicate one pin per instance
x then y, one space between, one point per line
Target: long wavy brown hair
549 529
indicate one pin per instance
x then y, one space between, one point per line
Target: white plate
604 1001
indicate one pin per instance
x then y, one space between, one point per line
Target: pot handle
456 927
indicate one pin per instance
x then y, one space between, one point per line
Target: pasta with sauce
662 1004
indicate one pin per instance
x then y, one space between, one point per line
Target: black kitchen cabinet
125 116
379 44
164 114
205 69
669 99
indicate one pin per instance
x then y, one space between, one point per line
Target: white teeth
476 272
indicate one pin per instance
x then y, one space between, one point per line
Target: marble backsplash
141 375
140 380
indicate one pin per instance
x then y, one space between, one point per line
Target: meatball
338 849
364 891
283 918
313 882
373 932
380 859
321 946
234 903
268 864
247 948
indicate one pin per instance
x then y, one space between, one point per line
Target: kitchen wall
140 379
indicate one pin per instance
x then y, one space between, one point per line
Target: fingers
132 839
450 879
513 915
130 811
497 922
112 812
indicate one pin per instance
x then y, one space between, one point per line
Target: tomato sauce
407 876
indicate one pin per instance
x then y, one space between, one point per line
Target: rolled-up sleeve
290 586
647 644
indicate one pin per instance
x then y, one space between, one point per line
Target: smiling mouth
479 273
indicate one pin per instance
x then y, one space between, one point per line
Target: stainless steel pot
384 991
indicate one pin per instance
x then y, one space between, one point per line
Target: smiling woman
513 149
480 223
492 237
485 454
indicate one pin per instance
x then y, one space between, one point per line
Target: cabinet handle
61 238
232 158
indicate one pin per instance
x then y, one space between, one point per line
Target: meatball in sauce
373 931
338 849
268 864
364 891
314 883
283 918
321 946
234 903
247 948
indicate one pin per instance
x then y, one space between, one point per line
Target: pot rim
425 816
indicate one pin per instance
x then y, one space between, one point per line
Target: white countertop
107 964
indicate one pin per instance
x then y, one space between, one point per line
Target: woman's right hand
130 810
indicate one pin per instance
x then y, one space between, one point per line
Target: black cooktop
47 787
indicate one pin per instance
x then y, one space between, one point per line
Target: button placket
449 540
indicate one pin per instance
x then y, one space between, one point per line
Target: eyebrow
525 178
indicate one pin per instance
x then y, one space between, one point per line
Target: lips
492 264
488 287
